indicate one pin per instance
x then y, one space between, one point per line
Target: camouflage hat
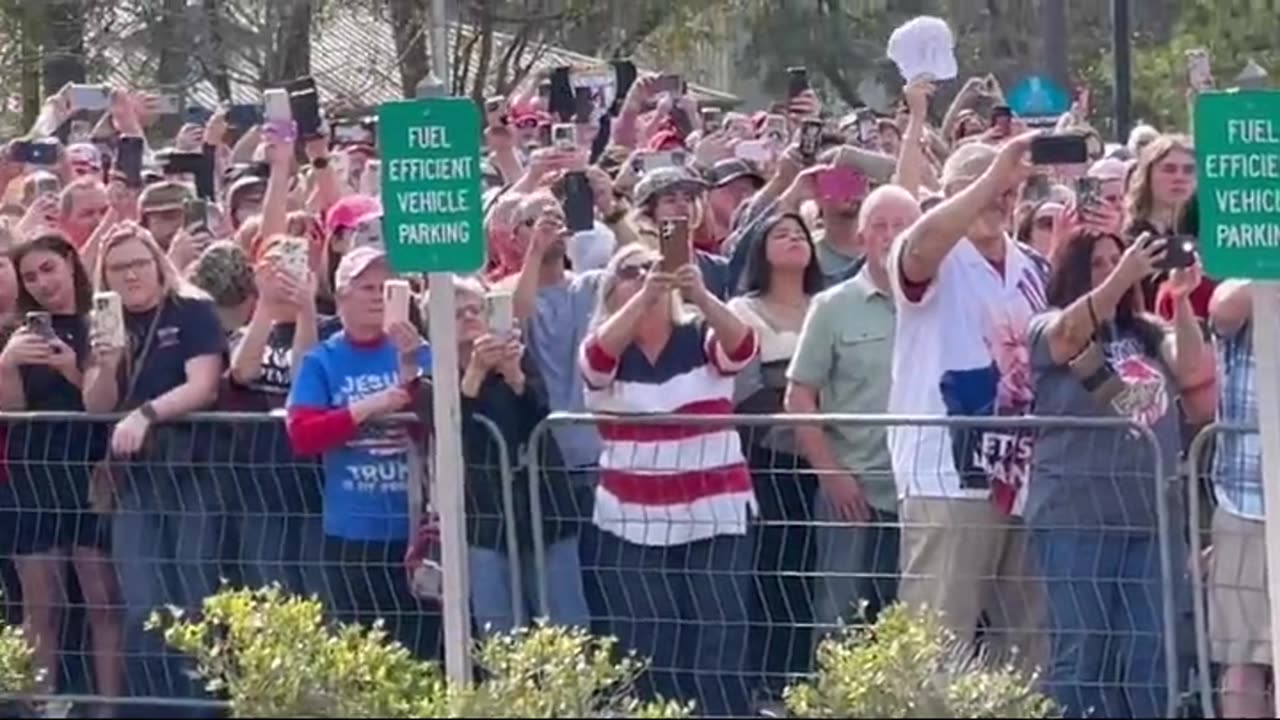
223 271
667 179
163 196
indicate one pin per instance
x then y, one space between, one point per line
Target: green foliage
18 673
1234 31
908 665
276 656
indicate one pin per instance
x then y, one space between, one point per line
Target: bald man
841 366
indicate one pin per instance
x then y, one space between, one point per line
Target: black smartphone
305 106
797 81
579 202
195 214
38 152
1067 149
544 135
181 163
196 115
302 84
583 104
810 139
244 116
1179 252
624 76
129 160
682 120
560 103
1002 119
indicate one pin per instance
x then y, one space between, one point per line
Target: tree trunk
291 58
175 49
484 26
216 51
411 43
63 44
32 99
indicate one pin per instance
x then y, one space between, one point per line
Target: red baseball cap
350 211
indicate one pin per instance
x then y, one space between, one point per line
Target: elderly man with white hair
964 292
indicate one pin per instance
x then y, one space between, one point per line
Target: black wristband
148 411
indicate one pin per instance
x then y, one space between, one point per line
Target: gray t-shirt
556 330
1100 477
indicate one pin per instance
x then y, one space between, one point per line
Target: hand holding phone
1065 149
673 237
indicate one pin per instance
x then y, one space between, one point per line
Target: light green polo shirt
845 352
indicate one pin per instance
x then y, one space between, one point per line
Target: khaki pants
1239 614
964 558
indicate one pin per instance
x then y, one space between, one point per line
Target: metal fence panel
738 614
214 499
1229 581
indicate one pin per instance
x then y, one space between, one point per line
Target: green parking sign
1238 162
432 219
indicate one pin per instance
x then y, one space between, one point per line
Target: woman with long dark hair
1092 506
41 369
781 276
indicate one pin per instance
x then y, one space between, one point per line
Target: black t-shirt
46 389
270 390
187 328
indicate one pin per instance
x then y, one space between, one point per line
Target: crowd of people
786 262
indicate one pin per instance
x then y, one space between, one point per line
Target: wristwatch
320 163
148 411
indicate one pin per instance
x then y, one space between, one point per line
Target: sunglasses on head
634 272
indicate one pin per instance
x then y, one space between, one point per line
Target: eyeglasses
132 266
469 310
634 272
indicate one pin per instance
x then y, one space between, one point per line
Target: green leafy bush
908 665
18 672
277 656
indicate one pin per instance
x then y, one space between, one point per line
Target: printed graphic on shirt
1145 398
996 459
379 466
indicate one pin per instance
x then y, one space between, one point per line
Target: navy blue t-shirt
188 328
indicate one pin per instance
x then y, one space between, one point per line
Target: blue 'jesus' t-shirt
366 480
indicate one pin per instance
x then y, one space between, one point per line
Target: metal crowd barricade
247 511
1199 456
1164 491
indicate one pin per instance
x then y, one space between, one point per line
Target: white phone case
108 318
275 105
395 301
501 308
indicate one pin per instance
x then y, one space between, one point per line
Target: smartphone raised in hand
129 160
1179 251
797 81
94 98
1066 149
579 202
673 240
35 152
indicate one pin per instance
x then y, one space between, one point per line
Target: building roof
354 63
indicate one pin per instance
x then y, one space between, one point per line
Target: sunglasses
634 272
527 123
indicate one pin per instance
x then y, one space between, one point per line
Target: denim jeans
166 542
1105 623
684 607
491 592
856 564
